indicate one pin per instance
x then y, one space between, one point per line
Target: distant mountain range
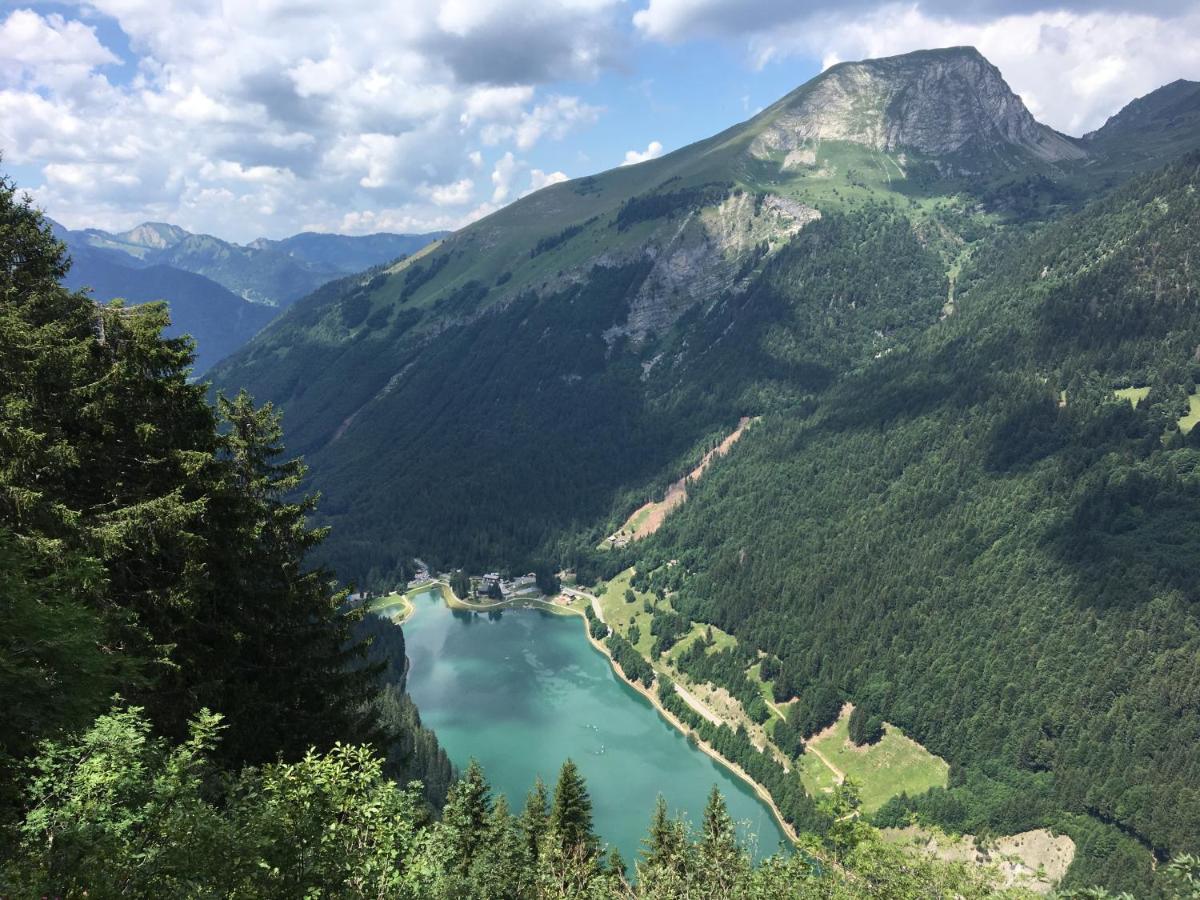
220 292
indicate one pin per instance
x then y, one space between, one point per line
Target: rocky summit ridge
939 103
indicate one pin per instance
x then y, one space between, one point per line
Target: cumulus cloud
653 150
455 194
1074 63
502 177
254 118
539 179
244 119
676 20
553 119
49 50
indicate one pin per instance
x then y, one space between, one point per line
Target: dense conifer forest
977 539
191 710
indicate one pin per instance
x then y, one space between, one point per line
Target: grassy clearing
1134 395
896 764
766 688
818 779
1032 860
621 615
1188 422
397 607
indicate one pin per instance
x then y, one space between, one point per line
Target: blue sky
266 117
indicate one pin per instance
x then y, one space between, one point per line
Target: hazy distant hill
345 254
276 273
220 293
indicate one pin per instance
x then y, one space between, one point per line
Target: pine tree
617 865
535 818
722 860
465 818
105 456
280 662
665 865
571 815
501 870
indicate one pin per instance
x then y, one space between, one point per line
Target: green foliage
121 812
942 542
412 752
785 787
550 242
668 627
570 824
418 274
460 583
865 729
150 544
669 204
632 663
727 668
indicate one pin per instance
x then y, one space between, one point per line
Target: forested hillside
561 361
978 539
968 506
152 550
191 710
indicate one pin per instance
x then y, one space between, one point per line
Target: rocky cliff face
940 103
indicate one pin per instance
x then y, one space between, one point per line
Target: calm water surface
523 690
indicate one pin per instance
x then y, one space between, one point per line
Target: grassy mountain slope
567 336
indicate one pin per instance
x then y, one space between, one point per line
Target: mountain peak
945 103
155 235
1170 106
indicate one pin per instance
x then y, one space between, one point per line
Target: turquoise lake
522 690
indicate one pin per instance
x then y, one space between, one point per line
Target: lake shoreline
453 601
733 768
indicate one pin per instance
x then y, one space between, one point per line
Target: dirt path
697 704
837 773
763 794
810 744
577 594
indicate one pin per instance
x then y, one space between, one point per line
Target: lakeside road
454 602
763 794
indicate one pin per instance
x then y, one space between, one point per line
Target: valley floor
895 764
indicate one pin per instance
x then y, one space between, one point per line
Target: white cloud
1073 62
653 150
252 118
49 51
454 194
502 177
553 119
539 179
